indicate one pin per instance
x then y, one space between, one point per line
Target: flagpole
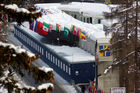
96 67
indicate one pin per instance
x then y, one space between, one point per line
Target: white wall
88 45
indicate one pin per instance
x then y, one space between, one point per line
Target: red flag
74 31
40 29
79 33
50 27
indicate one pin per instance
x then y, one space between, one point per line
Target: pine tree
14 61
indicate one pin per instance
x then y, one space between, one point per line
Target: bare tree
125 43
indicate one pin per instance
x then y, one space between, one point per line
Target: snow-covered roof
87 9
109 22
103 41
58 17
71 54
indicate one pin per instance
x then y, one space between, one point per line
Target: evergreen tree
14 58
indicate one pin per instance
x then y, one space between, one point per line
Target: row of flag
37 26
43 28
44 11
92 88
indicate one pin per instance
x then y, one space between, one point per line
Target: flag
50 27
57 27
83 35
42 10
38 8
45 27
49 12
66 32
91 87
74 31
35 28
45 12
40 29
71 28
79 33
4 18
32 25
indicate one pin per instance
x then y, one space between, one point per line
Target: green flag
45 26
66 32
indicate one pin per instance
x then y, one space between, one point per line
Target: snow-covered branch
17 49
15 55
19 14
116 62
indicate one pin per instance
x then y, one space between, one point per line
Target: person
83 89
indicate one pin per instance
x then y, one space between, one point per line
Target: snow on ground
58 79
59 17
72 54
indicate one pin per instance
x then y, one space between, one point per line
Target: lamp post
96 66
96 74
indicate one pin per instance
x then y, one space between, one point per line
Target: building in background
92 13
